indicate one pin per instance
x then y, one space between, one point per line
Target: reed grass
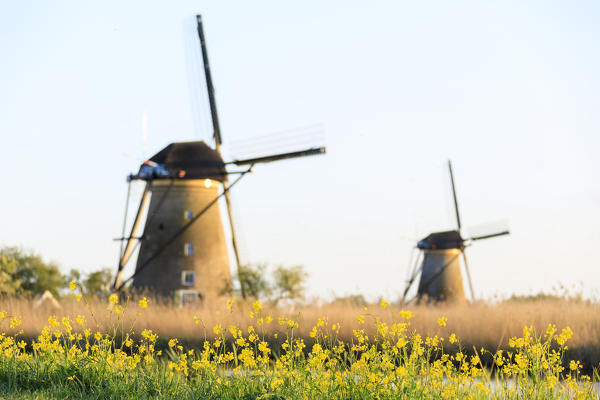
481 324
95 349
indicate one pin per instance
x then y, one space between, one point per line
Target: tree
289 283
98 283
29 273
73 275
356 300
8 267
253 281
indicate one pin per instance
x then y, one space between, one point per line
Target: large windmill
182 247
438 264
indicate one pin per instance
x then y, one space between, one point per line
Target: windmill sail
458 224
218 141
279 157
488 230
209 85
129 247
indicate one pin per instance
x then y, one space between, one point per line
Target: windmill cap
442 241
191 160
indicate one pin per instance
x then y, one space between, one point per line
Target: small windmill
439 261
183 250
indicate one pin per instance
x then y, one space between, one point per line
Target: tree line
24 272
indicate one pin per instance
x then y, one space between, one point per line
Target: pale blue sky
508 90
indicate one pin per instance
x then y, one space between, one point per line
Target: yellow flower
143 303
118 309
550 330
574 365
383 304
80 320
264 347
52 321
482 387
233 330
442 321
360 319
405 314
15 321
196 320
257 305
230 304
78 297
565 335
276 382
72 285
268 319
172 342
452 338
292 324
113 298
217 329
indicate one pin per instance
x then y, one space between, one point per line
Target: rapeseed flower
143 303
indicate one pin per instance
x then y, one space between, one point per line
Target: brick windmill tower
182 247
438 264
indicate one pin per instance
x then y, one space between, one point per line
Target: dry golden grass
480 325
487 325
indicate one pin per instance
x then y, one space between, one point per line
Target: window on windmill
188 278
188 249
189 214
188 296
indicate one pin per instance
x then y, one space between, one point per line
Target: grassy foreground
102 354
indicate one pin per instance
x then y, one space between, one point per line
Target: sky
508 90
